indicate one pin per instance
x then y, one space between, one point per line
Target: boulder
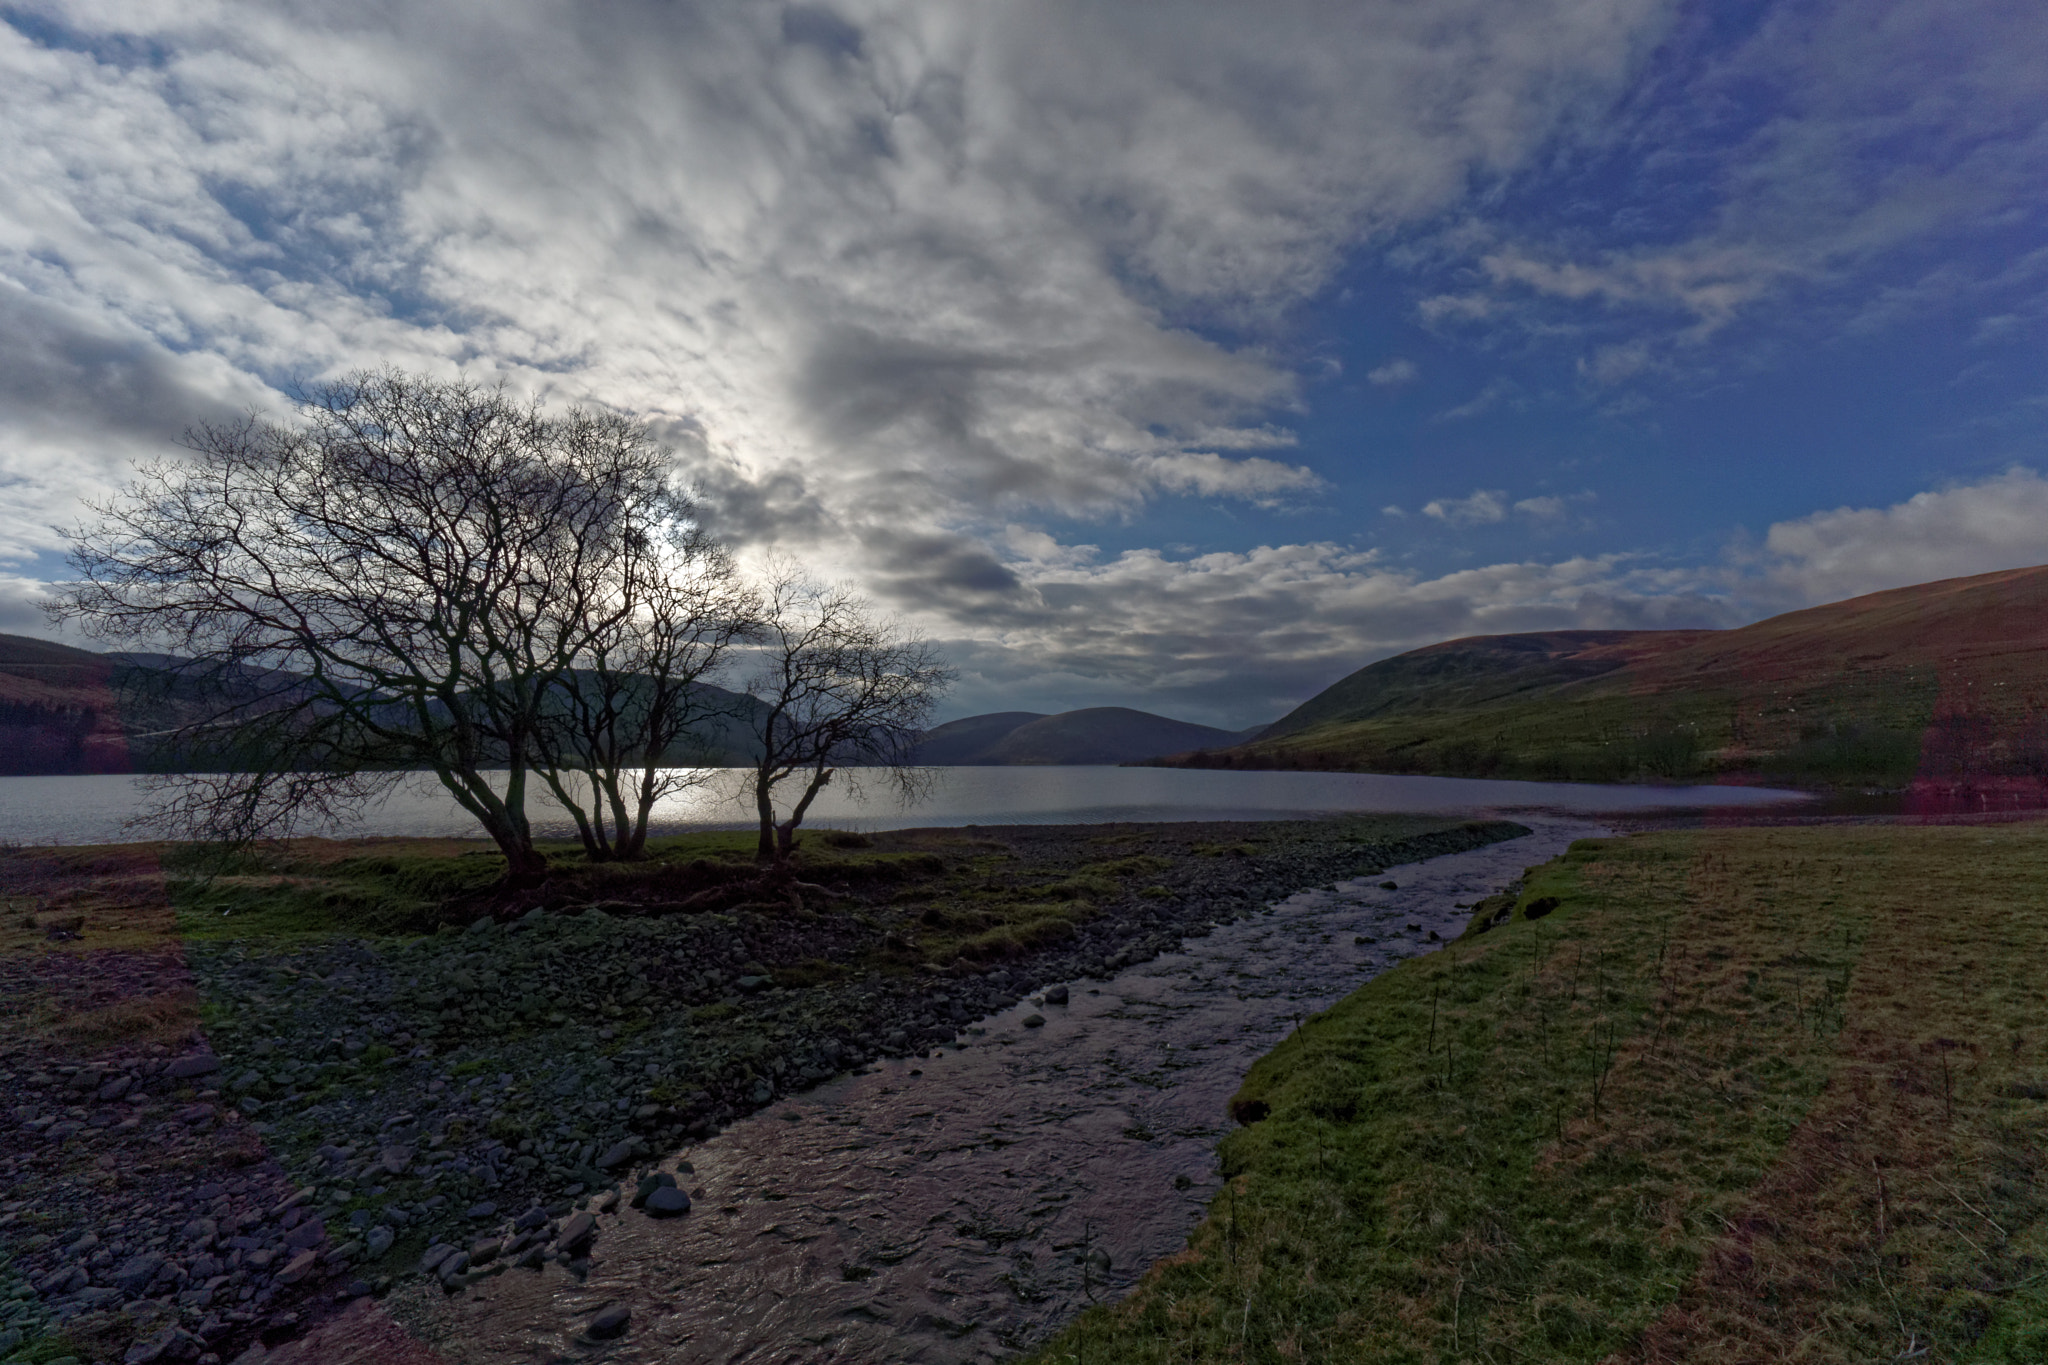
577 1232
198 1064
609 1323
667 1202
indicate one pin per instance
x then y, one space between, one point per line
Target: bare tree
626 726
398 580
836 686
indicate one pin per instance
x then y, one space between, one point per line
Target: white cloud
884 261
1999 523
1481 507
1396 372
1850 166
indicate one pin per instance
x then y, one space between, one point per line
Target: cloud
1482 507
1396 372
886 262
1239 637
1820 169
1999 523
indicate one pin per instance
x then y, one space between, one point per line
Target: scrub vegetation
1737 1095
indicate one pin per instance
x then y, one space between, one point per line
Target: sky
1183 356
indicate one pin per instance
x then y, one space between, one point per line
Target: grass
1742 1095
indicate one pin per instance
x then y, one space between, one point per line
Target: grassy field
1741 1095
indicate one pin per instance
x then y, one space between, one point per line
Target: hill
1943 679
1095 734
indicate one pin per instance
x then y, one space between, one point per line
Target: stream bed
961 1206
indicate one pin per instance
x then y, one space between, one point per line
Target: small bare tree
400 579
835 686
625 726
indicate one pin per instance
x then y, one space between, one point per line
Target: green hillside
1941 679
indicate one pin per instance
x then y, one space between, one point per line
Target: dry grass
1748 1095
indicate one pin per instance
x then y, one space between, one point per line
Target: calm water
86 810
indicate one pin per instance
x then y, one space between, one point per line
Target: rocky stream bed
356 1114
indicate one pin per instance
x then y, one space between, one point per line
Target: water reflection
95 809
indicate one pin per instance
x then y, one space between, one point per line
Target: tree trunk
764 806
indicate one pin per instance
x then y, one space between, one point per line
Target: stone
480 1211
133 1275
395 1160
431 1259
534 1217
195 1113
299 1267
609 1323
198 1064
580 1228
1056 996
306 1235
357 1289
667 1202
484 1250
1034 1020
115 1089
649 1184
618 1154
532 1258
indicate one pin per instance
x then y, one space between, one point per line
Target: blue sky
1183 356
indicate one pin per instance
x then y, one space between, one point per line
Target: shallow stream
960 1207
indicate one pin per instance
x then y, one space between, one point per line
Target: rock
534 1217
133 1275
609 1323
484 1250
306 1235
115 1089
578 1230
1034 1020
357 1289
649 1184
299 1267
1389 886
487 1209
750 984
198 1064
195 1113
667 1202
532 1258
395 1160
1056 996
618 1154
431 1259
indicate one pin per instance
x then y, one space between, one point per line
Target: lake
90 810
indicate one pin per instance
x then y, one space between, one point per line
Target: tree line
422 574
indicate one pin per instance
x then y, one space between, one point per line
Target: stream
961 1206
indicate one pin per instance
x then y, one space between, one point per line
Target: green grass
1743 1095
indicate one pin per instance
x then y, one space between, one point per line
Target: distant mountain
963 742
68 710
1096 734
1940 678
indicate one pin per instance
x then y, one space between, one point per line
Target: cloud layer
925 291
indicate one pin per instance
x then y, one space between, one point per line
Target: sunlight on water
78 810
